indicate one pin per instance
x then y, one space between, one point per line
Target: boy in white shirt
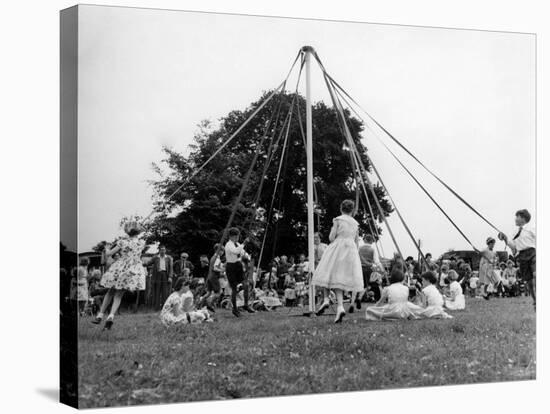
234 253
524 245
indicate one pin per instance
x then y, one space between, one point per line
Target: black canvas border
68 360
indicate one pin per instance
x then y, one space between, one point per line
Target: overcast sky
462 101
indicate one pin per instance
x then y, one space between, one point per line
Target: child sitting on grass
432 300
455 300
393 303
178 308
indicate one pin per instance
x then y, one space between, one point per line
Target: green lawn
277 353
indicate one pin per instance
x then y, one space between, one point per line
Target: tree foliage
195 217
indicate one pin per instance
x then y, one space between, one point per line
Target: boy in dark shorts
234 270
523 245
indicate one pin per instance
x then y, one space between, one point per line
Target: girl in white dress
126 274
394 303
340 266
432 300
455 300
178 308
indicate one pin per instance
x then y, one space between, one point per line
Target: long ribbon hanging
408 151
346 133
354 148
410 174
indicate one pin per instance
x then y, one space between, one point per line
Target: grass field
276 353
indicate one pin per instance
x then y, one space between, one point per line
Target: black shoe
339 317
249 309
236 313
351 309
210 308
108 324
486 297
322 309
97 320
358 303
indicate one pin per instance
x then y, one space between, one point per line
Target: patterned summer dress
128 272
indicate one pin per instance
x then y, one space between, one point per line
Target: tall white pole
309 156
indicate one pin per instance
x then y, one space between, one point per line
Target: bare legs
115 296
340 312
326 301
116 303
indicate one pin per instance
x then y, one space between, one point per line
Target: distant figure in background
473 284
181 264
126 274
81 286
369 259
398 263
213 288
340 266
487 265
510 276
453 263
443 277
524 246
319 248
161 278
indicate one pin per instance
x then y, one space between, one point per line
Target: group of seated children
179 308
394 301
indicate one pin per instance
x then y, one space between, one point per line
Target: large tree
195 217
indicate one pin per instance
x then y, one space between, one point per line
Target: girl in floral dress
125 274
340 266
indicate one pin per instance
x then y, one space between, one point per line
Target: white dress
457 300
397 307
434 305
340 265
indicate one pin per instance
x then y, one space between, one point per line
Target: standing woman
487 266
340 266
126 274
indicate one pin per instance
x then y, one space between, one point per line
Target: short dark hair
430 277
524 214
409 258
396 276
181 282
133 232
428 255
162 246
369 238
234 231
347 206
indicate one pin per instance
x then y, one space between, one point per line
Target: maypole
308 51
